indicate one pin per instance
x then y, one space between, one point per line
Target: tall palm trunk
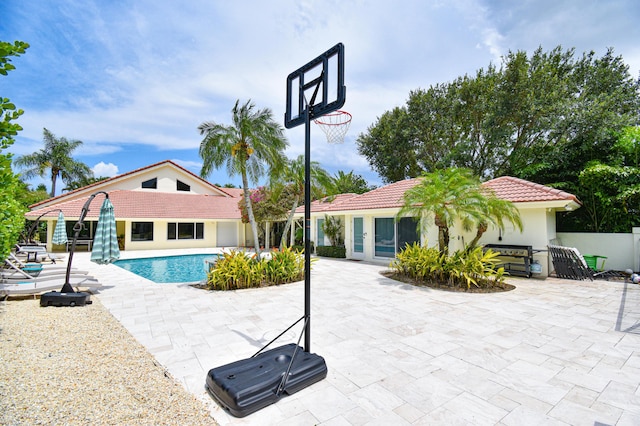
289 222
252 219
54 178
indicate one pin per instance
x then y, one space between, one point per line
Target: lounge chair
14 271
33 251
570 264
43 285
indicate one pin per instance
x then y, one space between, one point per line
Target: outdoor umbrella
60 233
105 242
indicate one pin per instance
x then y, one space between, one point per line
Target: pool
169 269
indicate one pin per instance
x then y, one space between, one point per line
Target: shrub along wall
332 251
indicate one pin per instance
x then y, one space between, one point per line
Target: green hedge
332 251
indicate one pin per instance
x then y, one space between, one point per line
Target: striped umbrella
105 242
60 233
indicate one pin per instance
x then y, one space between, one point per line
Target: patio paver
550 352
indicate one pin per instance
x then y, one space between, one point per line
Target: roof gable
133 180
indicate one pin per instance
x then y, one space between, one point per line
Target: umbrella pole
66 288
35 224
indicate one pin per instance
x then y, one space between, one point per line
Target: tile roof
390 196
147 204
521 191
97 185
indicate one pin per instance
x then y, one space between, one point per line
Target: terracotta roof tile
520 191
390 196
147 204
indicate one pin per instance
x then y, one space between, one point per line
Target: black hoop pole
307 230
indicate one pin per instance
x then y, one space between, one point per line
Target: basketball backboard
317 86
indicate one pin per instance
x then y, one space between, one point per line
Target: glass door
358 238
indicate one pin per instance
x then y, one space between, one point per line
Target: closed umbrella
60 233
105 242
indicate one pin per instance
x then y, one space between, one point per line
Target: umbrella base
56 298
248 385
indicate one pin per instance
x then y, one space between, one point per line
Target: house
164 206
373 233
161 206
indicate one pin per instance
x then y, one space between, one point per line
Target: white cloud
105 170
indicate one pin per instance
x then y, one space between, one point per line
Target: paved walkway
550 352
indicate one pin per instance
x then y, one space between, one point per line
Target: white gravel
79 366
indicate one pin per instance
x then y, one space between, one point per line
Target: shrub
236 270
284 267
332 251
462 269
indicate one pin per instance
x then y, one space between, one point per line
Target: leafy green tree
525 118
349 183
56 158
268 206
11 209
254 141
446 195
292 177
388 146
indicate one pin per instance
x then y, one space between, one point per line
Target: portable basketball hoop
315 92
335 125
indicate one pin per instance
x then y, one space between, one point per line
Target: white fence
622 250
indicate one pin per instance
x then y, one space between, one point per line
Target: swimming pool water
169 269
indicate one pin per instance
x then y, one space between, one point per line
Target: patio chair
31 270
43 285
570 264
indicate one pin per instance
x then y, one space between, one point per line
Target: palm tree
350 183
448 195
253 141
496 212
56 157
293 175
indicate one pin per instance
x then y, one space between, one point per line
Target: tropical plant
236 270
56 158
285 266
333 228
292 176
446 195
254 141
463 270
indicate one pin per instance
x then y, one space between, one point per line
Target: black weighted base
244 387
56 298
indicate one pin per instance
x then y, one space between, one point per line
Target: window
185 231
142 231
392 236
407 232
150 184
181 186
385 237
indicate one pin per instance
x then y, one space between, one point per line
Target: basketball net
335 125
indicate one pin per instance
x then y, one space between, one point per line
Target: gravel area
79 365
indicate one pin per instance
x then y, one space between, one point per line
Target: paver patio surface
550 352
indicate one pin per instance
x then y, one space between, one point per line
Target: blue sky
133 79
